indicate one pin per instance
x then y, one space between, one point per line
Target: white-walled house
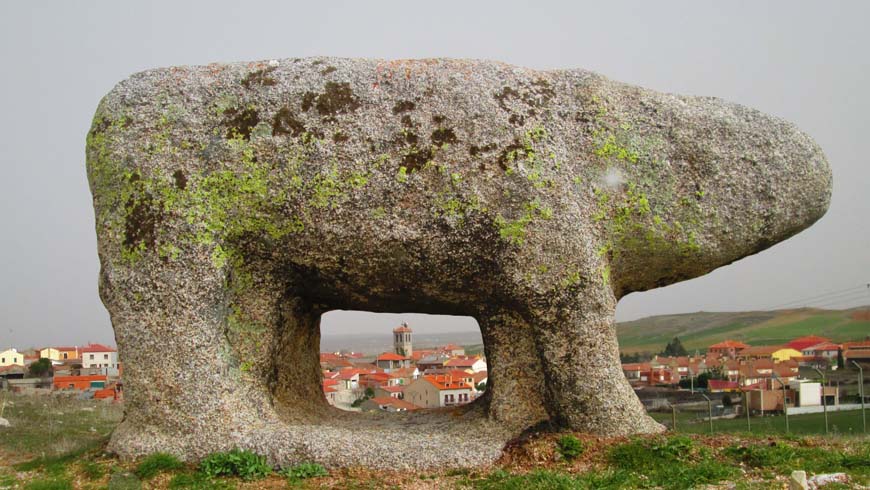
99 356
474 364
11 357
439 390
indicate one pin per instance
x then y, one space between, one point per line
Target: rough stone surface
236 203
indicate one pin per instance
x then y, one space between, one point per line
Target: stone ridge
235 203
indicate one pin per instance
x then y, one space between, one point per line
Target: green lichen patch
456 209
515 231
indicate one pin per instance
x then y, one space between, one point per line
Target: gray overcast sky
804 61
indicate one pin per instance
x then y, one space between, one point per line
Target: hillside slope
701 329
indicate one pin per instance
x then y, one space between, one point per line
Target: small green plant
570 447
304 471
157 463
244 464
92 470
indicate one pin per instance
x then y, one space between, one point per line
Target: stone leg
296 363
587 389
186 391
516 383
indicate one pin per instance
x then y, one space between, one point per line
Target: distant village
407 379
770 376
404 379
93 371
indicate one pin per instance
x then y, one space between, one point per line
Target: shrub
157 463
40 368
244 464
303 471
570 447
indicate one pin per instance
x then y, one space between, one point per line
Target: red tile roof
390 356
761 350
729 344
719 384
404 372
824 346
97 348
392 389
403 328
461 361
802 343
420 354
446 382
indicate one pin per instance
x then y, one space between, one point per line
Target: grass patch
197 481
52 425
784 457
847 422
244 464
49 484
157 463
57 465
553 480
92 470
673 463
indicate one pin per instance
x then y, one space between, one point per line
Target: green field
845 423
700 330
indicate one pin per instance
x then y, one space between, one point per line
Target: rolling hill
699 330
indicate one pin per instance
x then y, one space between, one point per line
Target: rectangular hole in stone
389 362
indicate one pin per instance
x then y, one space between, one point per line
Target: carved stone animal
236 203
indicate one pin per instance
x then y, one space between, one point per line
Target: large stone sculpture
236 203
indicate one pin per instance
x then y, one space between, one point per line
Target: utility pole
784 401
861 392
745 404
824 402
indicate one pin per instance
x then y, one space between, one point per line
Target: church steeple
402 340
